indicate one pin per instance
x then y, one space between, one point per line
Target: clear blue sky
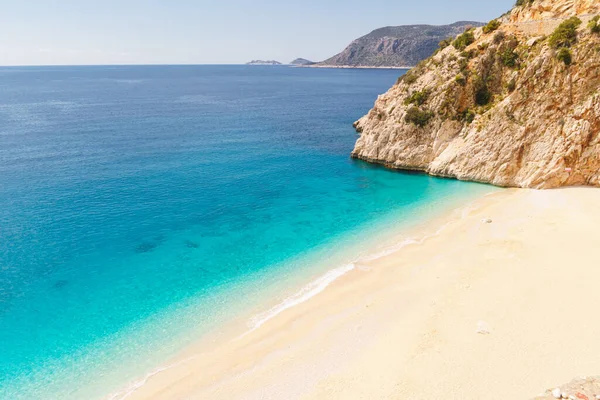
34 32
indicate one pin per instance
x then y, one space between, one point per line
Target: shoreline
327 265
338 343
350 67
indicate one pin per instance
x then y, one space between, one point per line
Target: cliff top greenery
524 2
566 33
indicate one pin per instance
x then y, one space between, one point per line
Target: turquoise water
142 206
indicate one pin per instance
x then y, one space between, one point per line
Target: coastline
446 308
351 67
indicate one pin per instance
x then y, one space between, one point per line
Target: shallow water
142 206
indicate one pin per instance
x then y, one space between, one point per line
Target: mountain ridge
396 46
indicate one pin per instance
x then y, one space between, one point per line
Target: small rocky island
262 62
514 103
301 62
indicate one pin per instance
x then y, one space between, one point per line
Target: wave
133 387
307 292
318 285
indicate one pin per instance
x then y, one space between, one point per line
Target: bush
491 26
511 85
445 43
418 98
524 2
462 41
483 96
564 55
566 33
418 117
463 64
594 26
468 116
499 37
482 93
468 54
509 57
460 79
409 78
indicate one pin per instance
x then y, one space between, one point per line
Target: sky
73 32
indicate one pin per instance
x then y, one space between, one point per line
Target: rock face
395 46
504 110
301 61
550 9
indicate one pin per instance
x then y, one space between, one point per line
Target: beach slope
496 301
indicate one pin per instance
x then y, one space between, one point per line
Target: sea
142 207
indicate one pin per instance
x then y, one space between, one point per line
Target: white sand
405 327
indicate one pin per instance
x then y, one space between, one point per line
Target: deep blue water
131 195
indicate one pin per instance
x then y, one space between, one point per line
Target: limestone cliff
508 104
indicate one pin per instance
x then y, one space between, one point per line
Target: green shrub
564 55
594 26
445 43
460 79
566 33
499 37
491 26
467 115
524 2
409 78
483 96
509 57
418 98
463 64
462 41
511 85
417 116
482 93
470 116
468 54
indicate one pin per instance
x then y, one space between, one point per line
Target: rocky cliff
395 46
516 103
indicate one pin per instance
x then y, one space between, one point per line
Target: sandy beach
496 301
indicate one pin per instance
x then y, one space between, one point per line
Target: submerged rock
145 247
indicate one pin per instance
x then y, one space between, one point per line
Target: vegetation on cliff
498 104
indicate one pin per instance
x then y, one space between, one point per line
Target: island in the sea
264 62
302 62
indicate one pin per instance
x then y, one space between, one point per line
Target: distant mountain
261 62
301 61
396 46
